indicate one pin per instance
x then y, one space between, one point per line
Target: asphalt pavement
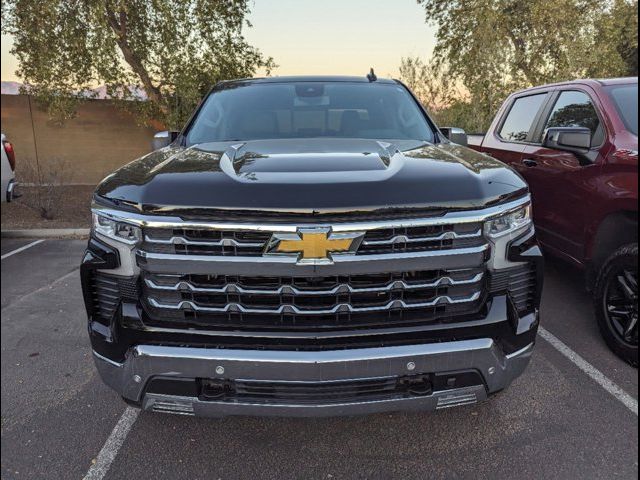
556 421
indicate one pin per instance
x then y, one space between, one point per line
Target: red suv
576 144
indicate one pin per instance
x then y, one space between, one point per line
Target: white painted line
110 449
21 249
595 374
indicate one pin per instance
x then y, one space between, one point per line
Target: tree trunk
133 60
521 55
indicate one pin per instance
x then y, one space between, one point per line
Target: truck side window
520 118
574 109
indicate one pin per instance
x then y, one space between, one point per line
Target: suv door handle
528 162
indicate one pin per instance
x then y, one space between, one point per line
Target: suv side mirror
456 135
163 139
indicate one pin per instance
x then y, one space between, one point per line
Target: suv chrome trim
343 307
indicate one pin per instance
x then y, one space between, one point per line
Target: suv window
520 118
574 109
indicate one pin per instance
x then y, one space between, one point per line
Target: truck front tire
616 302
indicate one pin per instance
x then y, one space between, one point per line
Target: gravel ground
71 209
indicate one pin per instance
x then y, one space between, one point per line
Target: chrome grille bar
224 242
292 309
290 290
407 239
339 264
457 217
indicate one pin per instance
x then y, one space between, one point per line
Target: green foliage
429 82
446 99
492 48
172 50
617 34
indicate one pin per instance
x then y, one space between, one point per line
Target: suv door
559 180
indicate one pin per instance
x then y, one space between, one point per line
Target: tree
494 47
171 50
618 37
429 82
447 101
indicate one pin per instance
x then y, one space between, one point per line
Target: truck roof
311 78
593 82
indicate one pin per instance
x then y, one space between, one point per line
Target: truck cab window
574 109
309 110
520 118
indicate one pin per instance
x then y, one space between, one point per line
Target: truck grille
520 283
311 304
181 241
316 392
216 279
106 295
108 290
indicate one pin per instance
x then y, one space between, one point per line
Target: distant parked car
576 145
8 170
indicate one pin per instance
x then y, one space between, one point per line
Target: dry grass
70 208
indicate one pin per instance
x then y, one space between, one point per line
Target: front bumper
446 360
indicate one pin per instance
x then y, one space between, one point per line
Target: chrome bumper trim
194 407
145 362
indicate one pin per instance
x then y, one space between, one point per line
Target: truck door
560 181
507 140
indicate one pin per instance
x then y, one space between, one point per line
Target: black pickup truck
311 246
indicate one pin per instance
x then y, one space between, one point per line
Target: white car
8 170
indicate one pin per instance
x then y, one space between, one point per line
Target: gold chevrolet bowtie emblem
314 244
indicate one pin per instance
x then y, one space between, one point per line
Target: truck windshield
626 99
246 111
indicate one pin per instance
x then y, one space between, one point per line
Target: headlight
121 231
509 222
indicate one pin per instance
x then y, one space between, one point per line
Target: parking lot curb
46 233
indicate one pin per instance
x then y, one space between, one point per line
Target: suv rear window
626 99
520 118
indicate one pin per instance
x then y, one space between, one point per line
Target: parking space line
21 249
107 455
25 296
595 374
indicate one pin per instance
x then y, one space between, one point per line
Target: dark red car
576 144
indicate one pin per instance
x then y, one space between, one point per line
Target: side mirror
456 135
569 139
163 139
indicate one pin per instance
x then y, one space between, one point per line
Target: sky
325 36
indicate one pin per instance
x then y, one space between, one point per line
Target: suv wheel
616 302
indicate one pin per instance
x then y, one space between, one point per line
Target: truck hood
318 176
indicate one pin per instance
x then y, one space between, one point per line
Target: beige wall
97 141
